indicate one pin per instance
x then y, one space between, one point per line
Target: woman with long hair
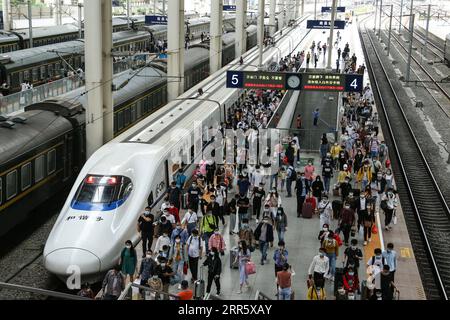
128 260
243 257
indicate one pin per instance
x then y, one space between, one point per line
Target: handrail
44 292
262 295
126 291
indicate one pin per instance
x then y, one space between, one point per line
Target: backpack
383 261
292 174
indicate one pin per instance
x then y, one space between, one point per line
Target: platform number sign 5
235 79
353 82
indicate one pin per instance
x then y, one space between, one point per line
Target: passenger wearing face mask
345 187
162 241
216 241
351 280
194 252
258 196
242 204
179 231
319 267
174 195
165 226
264 234
303 187
281 223
246 234
353 255
128 260
364 175
174 211
207 226
347 220
146 229
214 265
177 257
232 205
391 204
389 179
390 256
342 294
194 194
317 188
387 285
358 162
291 176
164 272
147 268
379 187
323 234
274 201
190 221
215 209
113 284
325 211
309 171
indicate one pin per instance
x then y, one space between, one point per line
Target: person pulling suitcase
214 265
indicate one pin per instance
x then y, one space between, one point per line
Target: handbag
374 229
394 219
250 267
185 268
383 205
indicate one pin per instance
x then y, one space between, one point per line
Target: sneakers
365 243
257 221
386 228
239 292
370 239
262 262
332 278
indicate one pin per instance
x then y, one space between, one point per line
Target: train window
11 184
25 176
43 75
127 117
39 168
26 75
111 191
51 161
139 105
50 70
120 120
133 112
35 74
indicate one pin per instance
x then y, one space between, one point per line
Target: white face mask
177 240
128 246
148 256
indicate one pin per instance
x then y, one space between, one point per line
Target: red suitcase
307 210
313 202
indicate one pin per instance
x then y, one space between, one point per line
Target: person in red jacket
174 211
350 280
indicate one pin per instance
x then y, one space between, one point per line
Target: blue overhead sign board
328 9
324 24
229 7
151 20
353 82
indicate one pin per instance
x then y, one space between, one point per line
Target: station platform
301 236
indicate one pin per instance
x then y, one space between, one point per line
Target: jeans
289 187
284 294
280 235
332 257
273 178
241 217
326 182
364 185
263 246
177 267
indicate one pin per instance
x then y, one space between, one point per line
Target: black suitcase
338 279
337 206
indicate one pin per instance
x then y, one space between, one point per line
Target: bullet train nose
66 261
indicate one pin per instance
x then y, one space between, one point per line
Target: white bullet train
134 169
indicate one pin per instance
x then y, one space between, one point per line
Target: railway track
426 212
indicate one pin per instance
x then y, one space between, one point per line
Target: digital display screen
323 82
264 80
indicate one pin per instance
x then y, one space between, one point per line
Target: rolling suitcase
338 278
199 286
313 202
234 262
307 210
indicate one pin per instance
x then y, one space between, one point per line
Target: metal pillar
128 14
273 5
390 28
379 22
401 13
315 9
410 15
80 22
375 18
164 7
6 15
297 9
93 68
175 57
215 42
302 8
330 43
107 74
30 23
281 14
408 65
241 23
426 32
260 32
58 15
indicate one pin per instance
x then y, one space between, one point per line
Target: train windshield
102 193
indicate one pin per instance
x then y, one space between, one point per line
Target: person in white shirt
165 204
190 220
194 251
326 211
168 216
163 240
319 267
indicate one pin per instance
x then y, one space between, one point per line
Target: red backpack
338 239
